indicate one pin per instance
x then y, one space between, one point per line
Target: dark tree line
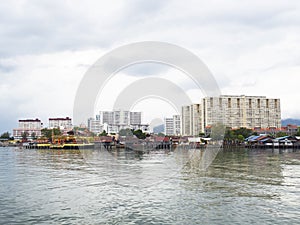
130 132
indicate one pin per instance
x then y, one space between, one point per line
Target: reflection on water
158 187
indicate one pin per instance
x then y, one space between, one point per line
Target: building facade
106 117
169 126
172 125
191 120
177 124
95 126
117 120
135 118
185 120
61 123
30 128
233 111
237 111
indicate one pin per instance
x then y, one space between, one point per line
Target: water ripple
100 187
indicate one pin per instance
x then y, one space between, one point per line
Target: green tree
33 136
56 131
5 135
24 136
298 133
48 132
139 134
103 133
281 134
201 134
229 135
126 132
240 137
243 131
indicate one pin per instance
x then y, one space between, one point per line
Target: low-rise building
29 128
62 123
95 126
288 130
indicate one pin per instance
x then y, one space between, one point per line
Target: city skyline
234 111
250 49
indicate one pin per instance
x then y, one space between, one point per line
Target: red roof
30 120
292 126
106 139
162 139
67 118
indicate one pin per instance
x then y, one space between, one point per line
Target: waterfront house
286 141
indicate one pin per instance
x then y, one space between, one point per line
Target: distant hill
290 121
159 129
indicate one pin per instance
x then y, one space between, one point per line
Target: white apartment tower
169 126
185 120
172 125
121 119
135 118
191 122
94 125
106 117
233 111
237 111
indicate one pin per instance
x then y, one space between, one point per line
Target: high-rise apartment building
106 117
233 111
185 120
237 111
135 118
177 124
169 126
191 122
121 119
94 125
172 125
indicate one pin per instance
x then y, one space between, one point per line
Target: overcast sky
251 47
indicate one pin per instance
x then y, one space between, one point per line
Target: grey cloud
6 68
49 26
222 30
